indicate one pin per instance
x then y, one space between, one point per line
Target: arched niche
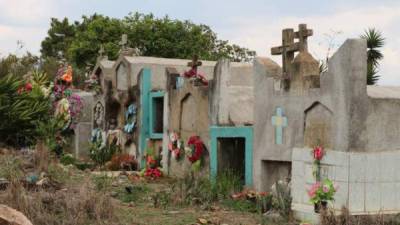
318 124
187 120
122 77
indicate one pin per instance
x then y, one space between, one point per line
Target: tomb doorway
226 140
231 156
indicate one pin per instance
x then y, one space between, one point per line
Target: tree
93 32
59 38
374 42
179 39
159 37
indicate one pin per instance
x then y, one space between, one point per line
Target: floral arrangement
153 173
322 191
130 118
195 149
192 73
248 194
152 169
93 84
318 153
122 161
175 145
67 105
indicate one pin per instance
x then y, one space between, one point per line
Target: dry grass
69 206
60 202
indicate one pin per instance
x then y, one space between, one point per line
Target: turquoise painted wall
145 88
153 95
232 132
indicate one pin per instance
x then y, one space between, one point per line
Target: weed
10 168
132 193
282 200
240 205
102 182
161 199
58 173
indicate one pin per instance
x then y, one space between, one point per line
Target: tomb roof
383 92
108 64
178 62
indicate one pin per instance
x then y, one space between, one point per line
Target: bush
200 190
20 110
67 159
101 154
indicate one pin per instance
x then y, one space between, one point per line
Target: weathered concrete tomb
297 108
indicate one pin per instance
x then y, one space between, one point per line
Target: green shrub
240 205
68 159
200 190
20 111
102 154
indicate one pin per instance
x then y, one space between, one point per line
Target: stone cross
124 41
289 47
302 35
279 121
101 51
195 63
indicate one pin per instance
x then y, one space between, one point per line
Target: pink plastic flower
313 190
325 189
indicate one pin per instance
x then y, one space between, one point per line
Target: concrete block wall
368 182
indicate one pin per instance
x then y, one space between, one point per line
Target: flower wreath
195 149
130 117
175 145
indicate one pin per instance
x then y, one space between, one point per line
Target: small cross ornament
279 121
101 51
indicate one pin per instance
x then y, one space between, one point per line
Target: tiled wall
368 182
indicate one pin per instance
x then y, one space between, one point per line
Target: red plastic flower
318 153
198 146
153 173
28 87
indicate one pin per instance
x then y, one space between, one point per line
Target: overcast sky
255 24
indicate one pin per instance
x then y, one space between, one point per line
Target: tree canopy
79 42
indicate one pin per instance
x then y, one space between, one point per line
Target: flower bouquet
322 192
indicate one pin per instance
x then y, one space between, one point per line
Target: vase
320 206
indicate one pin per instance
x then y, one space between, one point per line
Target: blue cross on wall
279 121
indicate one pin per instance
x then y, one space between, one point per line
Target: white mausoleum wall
368 181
